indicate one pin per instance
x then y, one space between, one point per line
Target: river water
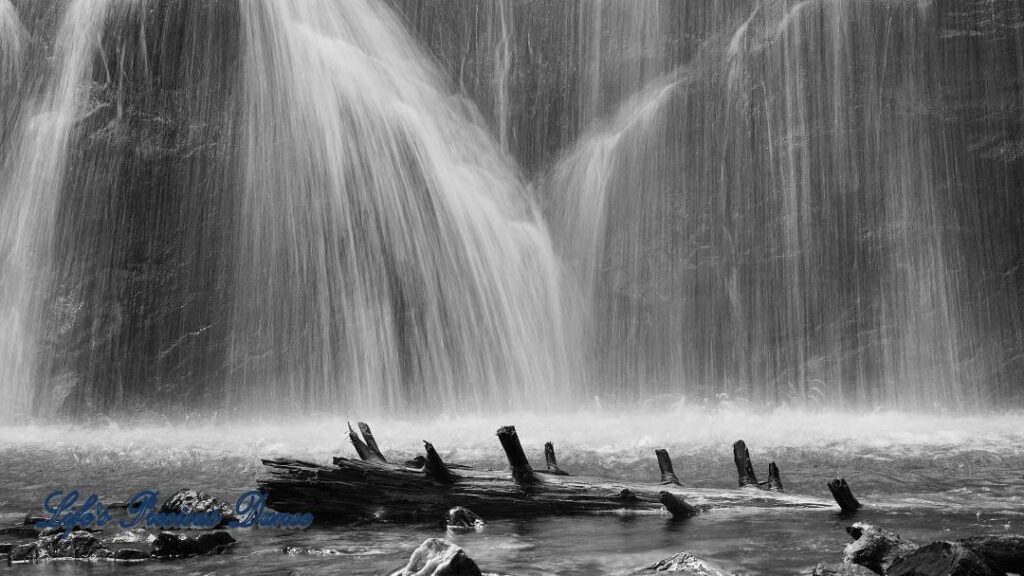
925 476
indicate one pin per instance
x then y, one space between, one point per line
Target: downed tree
428 487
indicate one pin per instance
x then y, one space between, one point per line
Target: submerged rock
460 518
875 548
683 563
174 545
437 557
943 559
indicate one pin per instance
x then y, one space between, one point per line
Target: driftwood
428 487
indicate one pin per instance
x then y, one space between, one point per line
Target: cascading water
387 255
32 177
237 204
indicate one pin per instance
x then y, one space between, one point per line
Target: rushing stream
927 477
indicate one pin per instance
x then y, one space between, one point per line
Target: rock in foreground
683 563
437 557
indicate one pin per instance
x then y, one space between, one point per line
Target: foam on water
606 433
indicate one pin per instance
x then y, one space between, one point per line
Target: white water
30 190
388 256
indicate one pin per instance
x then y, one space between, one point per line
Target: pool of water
924 476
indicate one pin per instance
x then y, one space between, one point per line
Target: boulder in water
460 518
943 559
174 545
188 500
875 548
77 545
437 557
683 563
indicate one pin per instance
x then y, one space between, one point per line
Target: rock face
874 547
943 559
437 557
683 563
174 545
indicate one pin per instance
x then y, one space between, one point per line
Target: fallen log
354 489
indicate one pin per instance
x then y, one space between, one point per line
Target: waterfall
388 256
399 206
31 182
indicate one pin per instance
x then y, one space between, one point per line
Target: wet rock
174 545
78 544
875 548
460 518
943 559
133 536
1006 553
683 563
188 500
6 548
24 553
437 557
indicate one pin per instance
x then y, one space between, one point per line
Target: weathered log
371 442
435 467
875 548
744 469
774 480
668 476
517 461
844 497
363 449
677 506
355 489
552 463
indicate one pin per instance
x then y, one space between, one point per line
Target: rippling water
925 476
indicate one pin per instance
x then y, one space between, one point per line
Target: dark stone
683 563
188 500
437 557
464 519
78 544
174 545
24 552
1004 552
943 559
874 547
6 548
